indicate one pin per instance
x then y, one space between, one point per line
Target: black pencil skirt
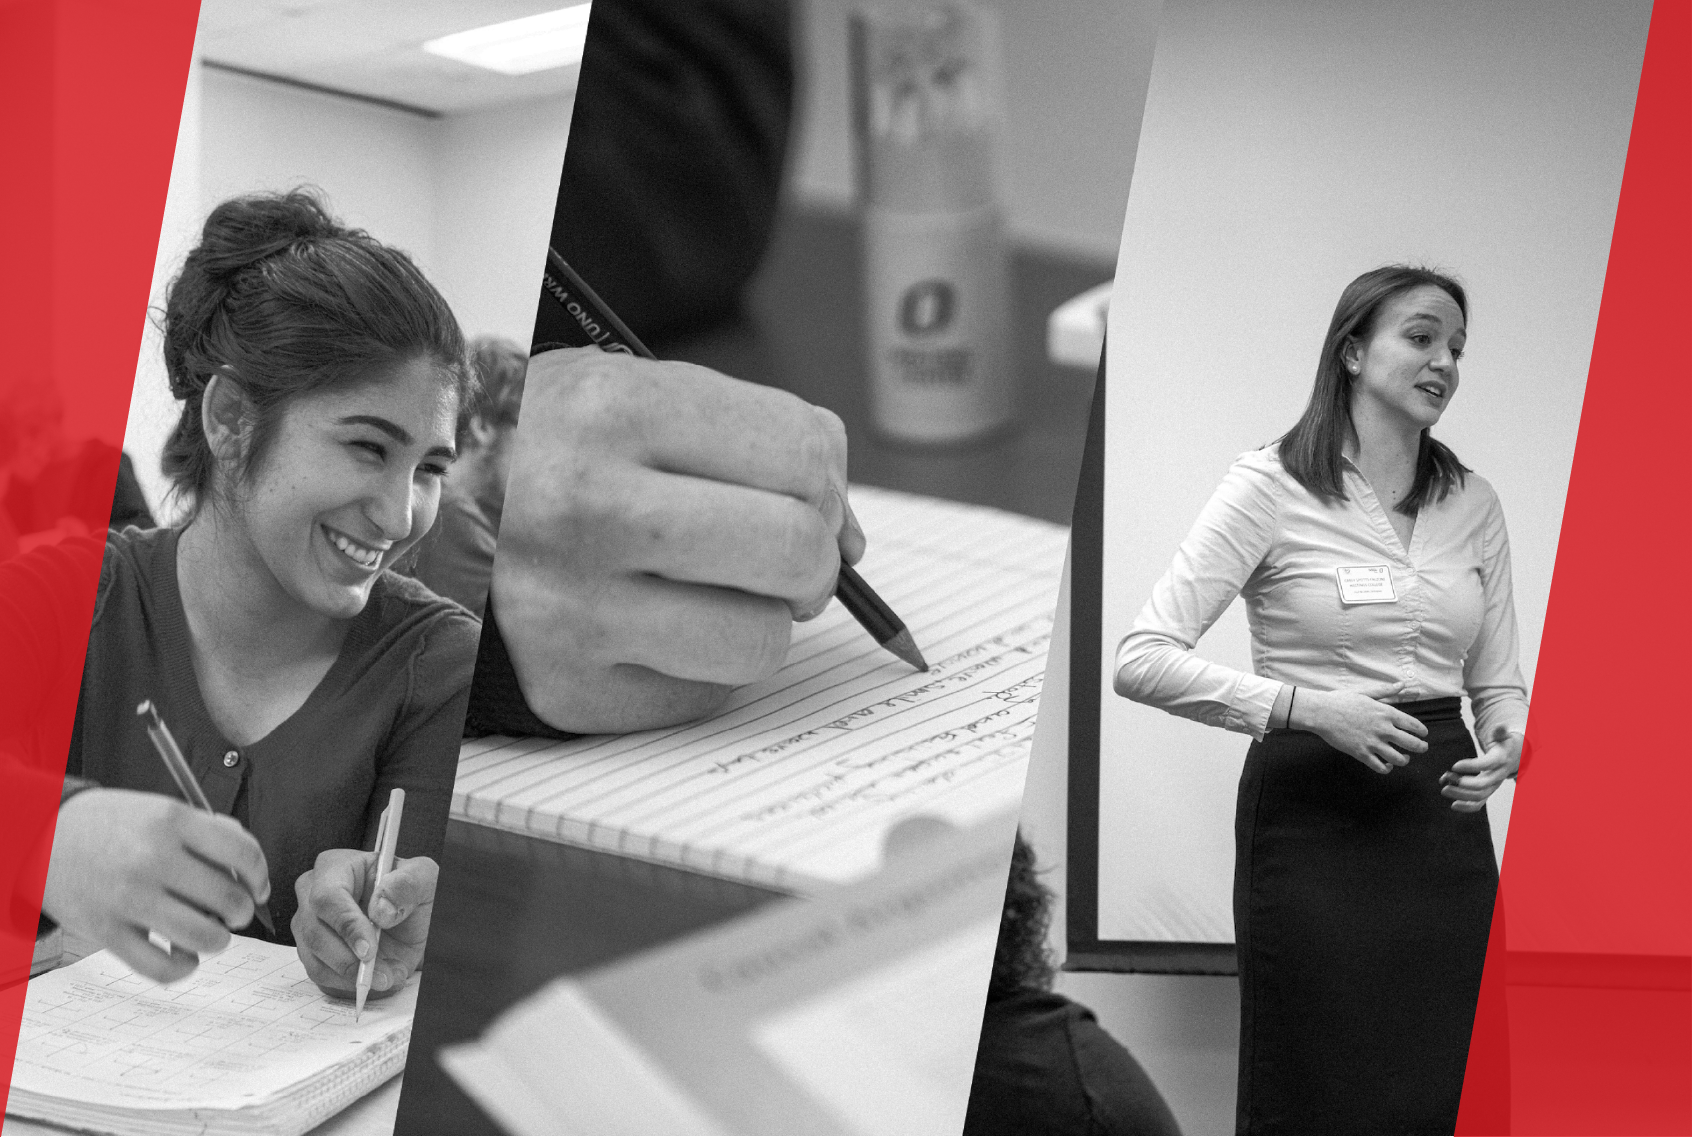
1362 904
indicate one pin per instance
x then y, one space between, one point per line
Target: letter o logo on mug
926 307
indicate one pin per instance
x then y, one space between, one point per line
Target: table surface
513 912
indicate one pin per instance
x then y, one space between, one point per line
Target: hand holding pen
595 321
363 919
126 863
664 526
164 744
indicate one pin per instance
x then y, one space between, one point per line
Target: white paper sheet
797 782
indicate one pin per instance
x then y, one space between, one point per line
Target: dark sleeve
1122 1097
129 505
422 756
44 615
497 705
44 630
673 170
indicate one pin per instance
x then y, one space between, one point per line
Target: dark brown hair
1311 450
284 300
1021 961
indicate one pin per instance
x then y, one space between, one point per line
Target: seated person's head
488 423
31 422
1021 961
321 378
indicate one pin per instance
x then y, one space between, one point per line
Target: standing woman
1376 573
320 376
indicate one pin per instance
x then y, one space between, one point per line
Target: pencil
189 787
387 837
606 331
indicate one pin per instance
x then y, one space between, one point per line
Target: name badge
1366 584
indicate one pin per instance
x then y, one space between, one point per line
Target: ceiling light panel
519 47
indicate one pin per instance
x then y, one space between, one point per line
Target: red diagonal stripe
1598 868
92 91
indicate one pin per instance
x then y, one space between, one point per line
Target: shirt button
231 759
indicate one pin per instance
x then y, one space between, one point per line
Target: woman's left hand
1470 782
333 932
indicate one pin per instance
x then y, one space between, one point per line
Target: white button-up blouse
1451 629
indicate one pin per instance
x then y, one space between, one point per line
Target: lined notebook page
247 1042
797 782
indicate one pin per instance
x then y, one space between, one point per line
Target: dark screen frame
1086 951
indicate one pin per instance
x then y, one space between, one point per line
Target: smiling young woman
320 376
1376 573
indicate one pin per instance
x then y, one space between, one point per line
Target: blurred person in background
1044 1064
52 486
456 559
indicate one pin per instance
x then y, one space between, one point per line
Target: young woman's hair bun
284 300
244 231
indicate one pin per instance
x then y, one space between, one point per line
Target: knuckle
163 827
593 517
833 429
211 938
230 902
605 399
422 873
817 457
768 635
647 522
804 548
593 618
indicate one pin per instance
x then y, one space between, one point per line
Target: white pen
387 836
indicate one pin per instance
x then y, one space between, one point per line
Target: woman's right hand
125 863
334 933
1376 734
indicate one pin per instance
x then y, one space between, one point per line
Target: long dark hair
284 300
1311 450
1021 961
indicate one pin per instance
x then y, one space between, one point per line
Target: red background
91 92
1601 828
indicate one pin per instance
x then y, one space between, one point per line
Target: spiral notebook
246 1044
798 781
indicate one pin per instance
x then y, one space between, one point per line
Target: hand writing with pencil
342 908
124 862
664 526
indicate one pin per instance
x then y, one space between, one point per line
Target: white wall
469 196
496 183
152 411
1074 78
376 165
